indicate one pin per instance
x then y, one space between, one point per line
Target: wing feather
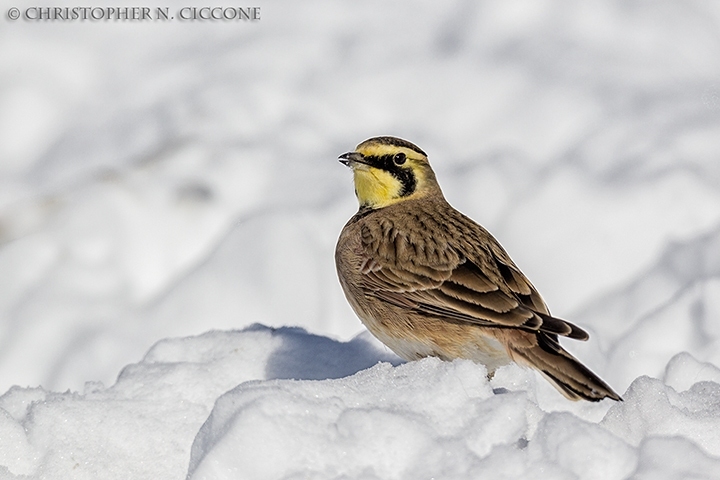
444 281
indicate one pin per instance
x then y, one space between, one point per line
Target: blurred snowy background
164 179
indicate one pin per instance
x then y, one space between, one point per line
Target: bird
426 280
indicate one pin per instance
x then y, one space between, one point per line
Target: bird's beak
351 158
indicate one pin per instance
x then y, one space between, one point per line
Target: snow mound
432 419
268 403
384 420
143 426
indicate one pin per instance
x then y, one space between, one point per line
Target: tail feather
565 372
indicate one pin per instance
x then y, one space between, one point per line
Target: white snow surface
170 200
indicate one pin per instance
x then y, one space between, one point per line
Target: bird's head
389 170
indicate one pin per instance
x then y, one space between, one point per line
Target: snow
170 200
284 403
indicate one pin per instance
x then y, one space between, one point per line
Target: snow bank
430 419
143 426
282 403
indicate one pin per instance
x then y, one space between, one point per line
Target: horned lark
428 281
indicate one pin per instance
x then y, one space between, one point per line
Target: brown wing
441 281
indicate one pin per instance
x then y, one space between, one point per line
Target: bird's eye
399 158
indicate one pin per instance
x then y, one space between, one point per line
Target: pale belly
478 348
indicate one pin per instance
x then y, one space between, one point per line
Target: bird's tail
565 372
